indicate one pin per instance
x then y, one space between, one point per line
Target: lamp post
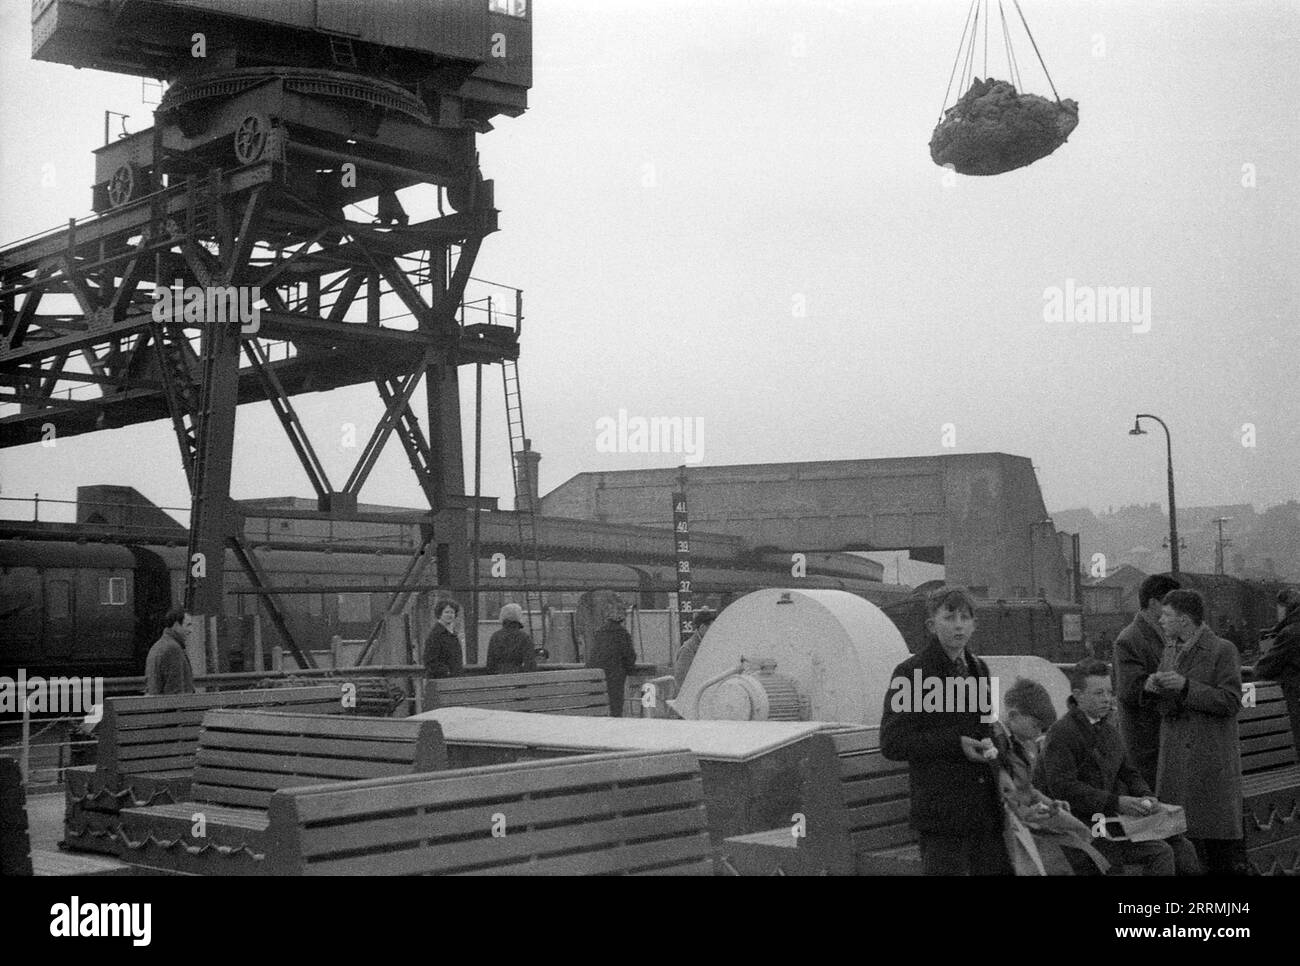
1137 430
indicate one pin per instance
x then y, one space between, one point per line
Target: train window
58 599
511 8
112 590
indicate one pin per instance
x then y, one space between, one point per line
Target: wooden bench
1270 784
243 758
580 691
625 813
856 804
145 754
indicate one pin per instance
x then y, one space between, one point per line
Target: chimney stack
526 478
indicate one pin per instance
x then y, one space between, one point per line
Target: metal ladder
525 512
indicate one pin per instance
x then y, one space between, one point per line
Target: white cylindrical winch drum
837 650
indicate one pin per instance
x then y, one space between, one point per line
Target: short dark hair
1088 668
443 603
174 616
1155 587
1187 602
1030 698
705 615
953 597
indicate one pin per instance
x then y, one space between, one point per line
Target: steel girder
81 347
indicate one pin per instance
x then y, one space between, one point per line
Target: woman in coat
442 656
510 650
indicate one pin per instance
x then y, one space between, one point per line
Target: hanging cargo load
994 129
995 126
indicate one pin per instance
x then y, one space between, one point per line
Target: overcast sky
690 173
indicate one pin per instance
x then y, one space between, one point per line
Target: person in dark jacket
510 650
1084 763
1137 652
612 651
167 668
1281 660
442 654
702 620
956 803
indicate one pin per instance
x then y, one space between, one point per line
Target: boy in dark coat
956 804
612 651
510 650
1281 662
1137 653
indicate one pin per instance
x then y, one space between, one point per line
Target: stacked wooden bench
856 805
579 691
624 813
243 758
1270 784
145 754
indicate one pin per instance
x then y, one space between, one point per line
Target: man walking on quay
1198 686
1137 653
613 652
167 668
956 803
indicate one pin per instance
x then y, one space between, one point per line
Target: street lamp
1137 430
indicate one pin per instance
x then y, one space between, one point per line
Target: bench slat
554 704
488 781
881 813
316 724
220 764
853 766
518 815
228 699
296 744
636 857
522 678
451 856
890 786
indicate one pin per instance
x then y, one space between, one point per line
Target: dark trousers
614 684
1222 856
1173 856
983 853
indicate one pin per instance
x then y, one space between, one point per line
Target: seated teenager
1039 828
1085 763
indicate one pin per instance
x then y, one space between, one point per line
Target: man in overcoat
1137 652
1198 686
